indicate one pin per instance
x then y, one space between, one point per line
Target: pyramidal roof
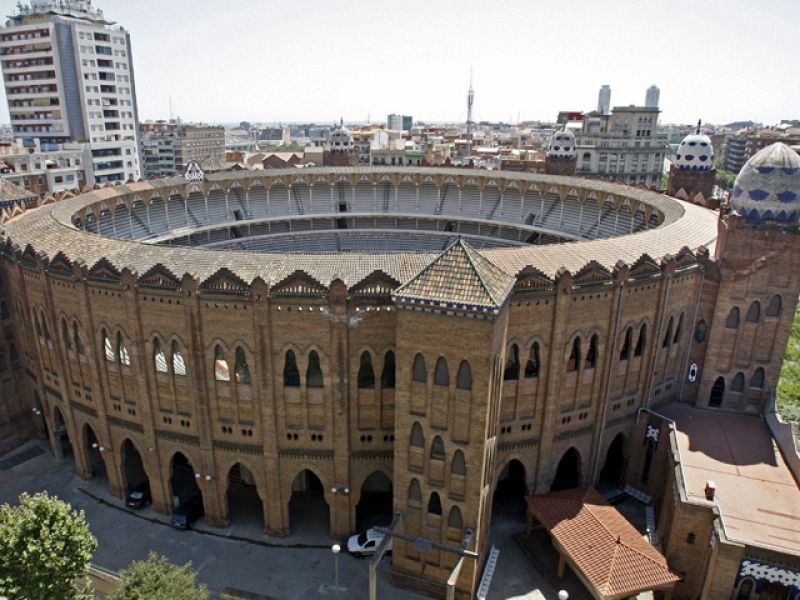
459 278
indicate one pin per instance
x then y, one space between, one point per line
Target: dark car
139 496
187 513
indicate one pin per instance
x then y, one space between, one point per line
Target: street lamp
336 548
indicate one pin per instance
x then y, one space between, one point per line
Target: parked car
366 543
139 496
187 513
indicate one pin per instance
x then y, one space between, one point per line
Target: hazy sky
268 60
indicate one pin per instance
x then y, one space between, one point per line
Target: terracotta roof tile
610 553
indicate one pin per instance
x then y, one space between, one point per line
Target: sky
319 60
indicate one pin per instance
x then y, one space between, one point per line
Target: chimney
711 490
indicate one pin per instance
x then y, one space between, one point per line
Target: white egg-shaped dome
768 186
562 145
695 153
341 140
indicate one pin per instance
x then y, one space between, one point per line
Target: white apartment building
623 146
68 77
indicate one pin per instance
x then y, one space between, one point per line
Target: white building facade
68 76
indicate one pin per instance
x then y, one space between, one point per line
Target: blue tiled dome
562 145
695 153
768 186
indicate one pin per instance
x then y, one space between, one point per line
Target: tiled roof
11 191
49 230
611 555
460 276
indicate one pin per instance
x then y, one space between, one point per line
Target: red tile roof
611 555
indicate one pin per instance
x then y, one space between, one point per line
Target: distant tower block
604 100
470 101
562 156
651 96
692 175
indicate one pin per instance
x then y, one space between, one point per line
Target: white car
366 543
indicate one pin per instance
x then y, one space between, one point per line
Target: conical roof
459 278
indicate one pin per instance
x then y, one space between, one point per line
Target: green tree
45 546
158 579
788 399
725 179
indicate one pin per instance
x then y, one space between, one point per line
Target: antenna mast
470 101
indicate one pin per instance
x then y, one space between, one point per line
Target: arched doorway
568 473
508 501
183 483
376 502
717 393
245 508
133 473
61 433
309 514
94 453
613 469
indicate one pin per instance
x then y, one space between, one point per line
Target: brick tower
749 309
692 175
562 156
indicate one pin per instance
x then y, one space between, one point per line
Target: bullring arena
349 343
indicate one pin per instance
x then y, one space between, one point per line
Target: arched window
591 355
757 381
76 338
441 376
417 437
437 448
291 374
668 334
464 378
108 348
435 504
65 335
700 332
12 352
459 466
314 371
36 323
575 355
738 383
717 393
678 330
241 370
454 520
414 493
774 308
366 374
533 364
45 329
420 371
387 375
122 351
745 589
221 370
4 313
511 372
3 365
732 322
754 312
625 353
159 358
641 343
178 364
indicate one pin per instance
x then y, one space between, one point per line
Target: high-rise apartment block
604 99
168 146
399 122
651 96
68 77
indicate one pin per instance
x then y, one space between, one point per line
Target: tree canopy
45 545
158 579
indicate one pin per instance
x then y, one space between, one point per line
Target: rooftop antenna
698 126
470 101
170 108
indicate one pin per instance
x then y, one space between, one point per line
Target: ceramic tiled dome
695 153
768 186
562 145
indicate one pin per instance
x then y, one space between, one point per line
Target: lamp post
336 549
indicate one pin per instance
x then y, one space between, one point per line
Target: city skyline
321 63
